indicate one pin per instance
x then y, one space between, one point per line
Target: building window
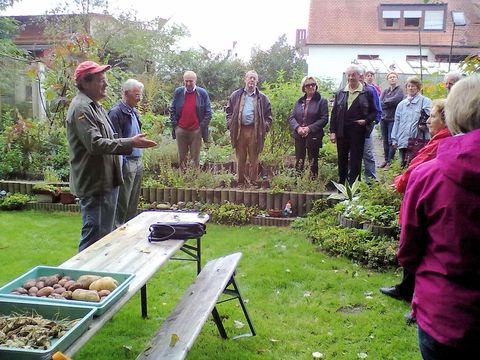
434 20
368 57
416 58
391 19
430 17
412 19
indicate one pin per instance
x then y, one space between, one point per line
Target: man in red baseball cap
95 164
89 67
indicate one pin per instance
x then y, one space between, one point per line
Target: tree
7 3
470 65
280 57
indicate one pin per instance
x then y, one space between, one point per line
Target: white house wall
332 60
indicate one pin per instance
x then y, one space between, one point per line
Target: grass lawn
300 300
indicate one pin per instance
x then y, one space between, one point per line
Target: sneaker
385 163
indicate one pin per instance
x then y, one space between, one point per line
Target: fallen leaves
173 340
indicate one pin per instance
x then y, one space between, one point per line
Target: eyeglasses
310 85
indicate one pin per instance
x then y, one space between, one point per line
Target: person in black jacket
390 98
308 118
353 110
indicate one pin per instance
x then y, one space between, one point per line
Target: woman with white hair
308 118
440 235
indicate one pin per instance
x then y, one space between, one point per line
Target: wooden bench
178 333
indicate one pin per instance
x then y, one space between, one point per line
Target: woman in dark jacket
390 98
308 118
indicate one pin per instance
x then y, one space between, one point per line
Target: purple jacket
440 241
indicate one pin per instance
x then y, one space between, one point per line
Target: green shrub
230 214
376 252
15 201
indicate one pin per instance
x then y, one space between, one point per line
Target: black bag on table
162 231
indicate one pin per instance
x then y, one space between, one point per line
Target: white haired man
451 78
126 122
353 110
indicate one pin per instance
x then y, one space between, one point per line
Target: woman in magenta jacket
440 234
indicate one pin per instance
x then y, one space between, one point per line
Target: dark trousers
407 286
386 129
431 349
307 146
350 152
403 157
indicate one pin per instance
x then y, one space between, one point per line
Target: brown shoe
385 163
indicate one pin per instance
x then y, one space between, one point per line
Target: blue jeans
98 216
386 129
431 349
369 160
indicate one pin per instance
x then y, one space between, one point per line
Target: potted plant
66 197
46 193
381 219
349 212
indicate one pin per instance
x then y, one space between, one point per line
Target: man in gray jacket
95 167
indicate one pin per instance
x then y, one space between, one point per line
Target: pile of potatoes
86 288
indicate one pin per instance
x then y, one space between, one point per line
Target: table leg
143 300
199 256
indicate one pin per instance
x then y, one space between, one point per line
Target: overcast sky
214 24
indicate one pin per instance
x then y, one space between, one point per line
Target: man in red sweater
190 114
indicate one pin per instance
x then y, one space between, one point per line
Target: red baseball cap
89 67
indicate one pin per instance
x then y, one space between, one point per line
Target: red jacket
425 154
440 241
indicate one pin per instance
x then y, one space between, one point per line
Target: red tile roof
356 22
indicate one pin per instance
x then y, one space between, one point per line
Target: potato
40 284
33 291
63 280
76 285
68 284
52 280
67 294
104 283
20 290
59 290
45 291
29 283
56 296
42 278
86 280
103 293
85 295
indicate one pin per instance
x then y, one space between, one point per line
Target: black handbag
414 146
162 231
422 121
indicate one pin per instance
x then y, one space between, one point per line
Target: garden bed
302 202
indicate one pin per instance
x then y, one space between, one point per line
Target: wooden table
127 250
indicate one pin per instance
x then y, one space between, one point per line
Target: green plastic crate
52 312
123 284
